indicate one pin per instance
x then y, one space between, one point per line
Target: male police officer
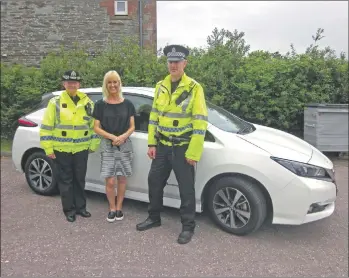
67 136
177 127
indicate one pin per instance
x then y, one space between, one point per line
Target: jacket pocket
162 99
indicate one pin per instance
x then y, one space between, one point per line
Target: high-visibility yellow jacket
188 115
67 127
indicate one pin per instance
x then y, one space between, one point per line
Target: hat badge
173 49
73 74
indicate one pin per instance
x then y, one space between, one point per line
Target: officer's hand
52 156
191 162
152 152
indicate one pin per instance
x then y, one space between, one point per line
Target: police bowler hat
176 52
71 75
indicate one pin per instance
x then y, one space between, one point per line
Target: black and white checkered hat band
176 54
70 77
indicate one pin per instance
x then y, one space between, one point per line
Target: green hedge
20 91
262 87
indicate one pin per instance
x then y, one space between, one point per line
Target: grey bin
326 126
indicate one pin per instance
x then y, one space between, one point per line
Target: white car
248 173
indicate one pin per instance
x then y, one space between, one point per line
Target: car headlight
305 170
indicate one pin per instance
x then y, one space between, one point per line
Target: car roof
148 91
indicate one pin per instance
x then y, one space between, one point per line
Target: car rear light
25 122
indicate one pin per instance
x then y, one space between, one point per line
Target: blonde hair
110 74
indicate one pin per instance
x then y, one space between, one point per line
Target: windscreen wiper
244 129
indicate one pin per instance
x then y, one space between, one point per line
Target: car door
93 174
141 164
138 182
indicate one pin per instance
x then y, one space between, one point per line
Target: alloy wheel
231 207
40 174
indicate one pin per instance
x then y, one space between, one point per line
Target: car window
224 120
143 107
95 96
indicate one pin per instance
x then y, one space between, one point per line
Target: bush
262 87
20 92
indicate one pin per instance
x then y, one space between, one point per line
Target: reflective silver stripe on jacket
200 117
158 93
185 115
75 127
186 102
58 111
175 115
46 127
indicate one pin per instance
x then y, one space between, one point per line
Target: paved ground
37 241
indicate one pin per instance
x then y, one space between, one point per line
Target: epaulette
192 83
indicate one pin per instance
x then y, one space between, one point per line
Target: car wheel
237 205
40 174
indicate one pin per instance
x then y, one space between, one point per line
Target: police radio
88 109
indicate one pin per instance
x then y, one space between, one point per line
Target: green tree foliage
262 87
20 92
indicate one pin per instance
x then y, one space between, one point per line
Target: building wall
32 28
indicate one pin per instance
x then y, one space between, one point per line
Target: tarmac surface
36 240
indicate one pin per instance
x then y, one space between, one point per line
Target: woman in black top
114 121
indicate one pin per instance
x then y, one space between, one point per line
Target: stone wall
32 28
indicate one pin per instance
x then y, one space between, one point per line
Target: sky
268 25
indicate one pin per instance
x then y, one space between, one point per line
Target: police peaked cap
176 52
71 75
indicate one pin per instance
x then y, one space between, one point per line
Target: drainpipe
140 16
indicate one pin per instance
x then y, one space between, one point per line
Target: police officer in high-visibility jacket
176 132
67 136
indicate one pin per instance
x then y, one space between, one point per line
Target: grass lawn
6 145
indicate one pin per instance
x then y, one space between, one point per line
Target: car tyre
40 172
238 199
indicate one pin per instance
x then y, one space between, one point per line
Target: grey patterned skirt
116 160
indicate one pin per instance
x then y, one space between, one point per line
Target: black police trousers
185 174
71 180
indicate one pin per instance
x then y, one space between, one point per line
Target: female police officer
67 136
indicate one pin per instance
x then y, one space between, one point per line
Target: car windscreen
224 120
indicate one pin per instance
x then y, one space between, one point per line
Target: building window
120 7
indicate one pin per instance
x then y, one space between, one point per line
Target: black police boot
70 217
148 224
84 213
185 236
